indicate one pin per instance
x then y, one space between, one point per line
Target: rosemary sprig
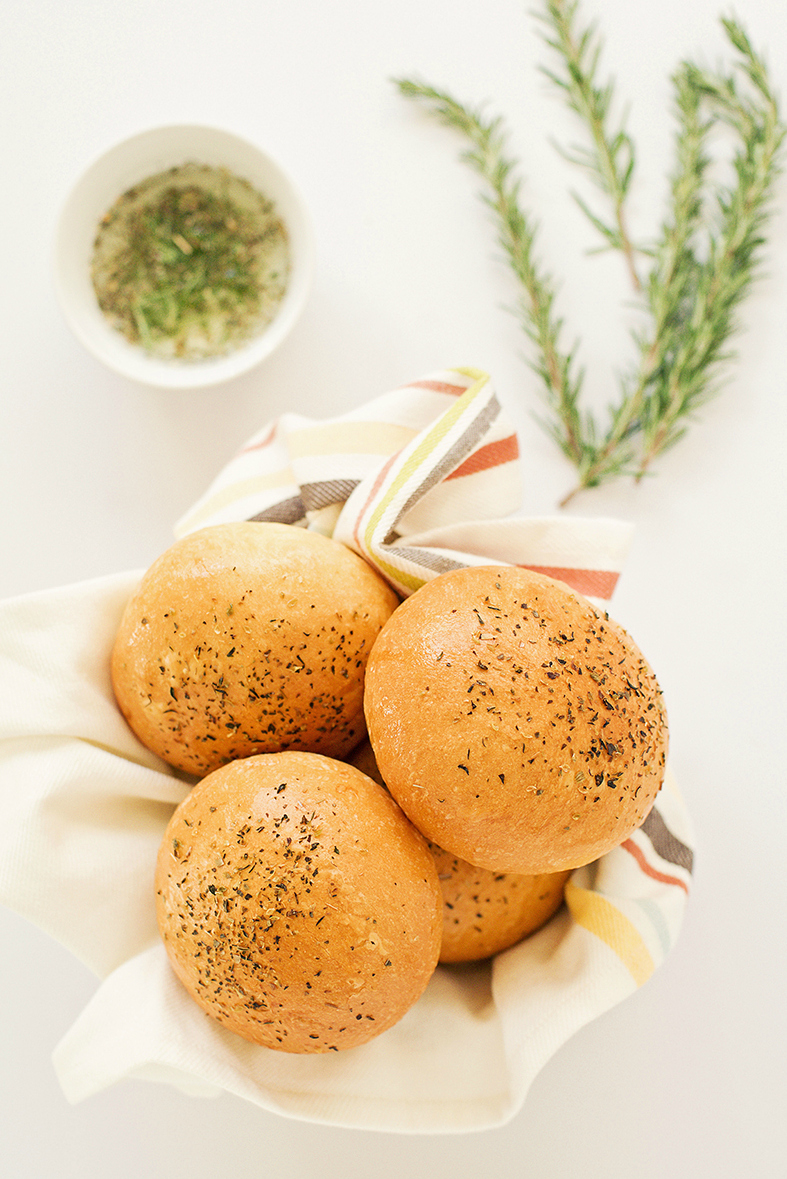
516 235
702 263
717 282
609 158
668 293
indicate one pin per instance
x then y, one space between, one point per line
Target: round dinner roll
298 905
485 912
517 726
249 638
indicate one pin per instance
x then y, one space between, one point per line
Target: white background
687 1077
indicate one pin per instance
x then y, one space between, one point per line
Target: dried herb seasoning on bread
298 905
483 912
516 724
248 638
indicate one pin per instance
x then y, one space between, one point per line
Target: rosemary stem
591 103
537 310
516 235
628 251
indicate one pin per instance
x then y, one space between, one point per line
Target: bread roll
248 638
299 907
485 912
516 725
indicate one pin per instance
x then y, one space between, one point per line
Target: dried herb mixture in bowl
183 256
191 262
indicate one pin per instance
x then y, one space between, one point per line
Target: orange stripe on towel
438 387
594 583
263 442
648 869
505 450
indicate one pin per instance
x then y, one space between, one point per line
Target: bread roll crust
516 725
486 912
483 912
248 638
298 905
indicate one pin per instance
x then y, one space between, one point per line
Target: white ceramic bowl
119 169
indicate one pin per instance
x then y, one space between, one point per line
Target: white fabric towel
419 480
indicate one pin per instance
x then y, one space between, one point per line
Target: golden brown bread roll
248 638
298 905
485 912
516 725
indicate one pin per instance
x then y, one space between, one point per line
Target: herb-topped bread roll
485 912
249 638
298 905
517 726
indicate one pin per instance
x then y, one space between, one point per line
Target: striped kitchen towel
419 481
422 479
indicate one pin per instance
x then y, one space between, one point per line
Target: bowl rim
112 172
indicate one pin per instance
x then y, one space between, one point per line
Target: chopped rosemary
689 282
190 263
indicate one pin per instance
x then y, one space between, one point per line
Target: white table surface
687 1077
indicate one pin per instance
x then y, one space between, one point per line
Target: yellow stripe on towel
420 454
233 492
595 913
